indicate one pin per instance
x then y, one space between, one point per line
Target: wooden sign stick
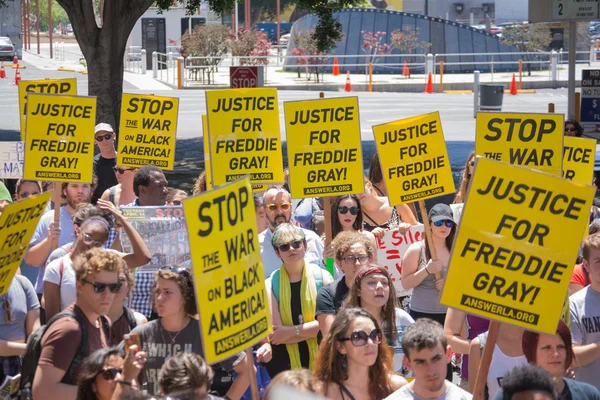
56 199
486 360
329 263
253 383
428 235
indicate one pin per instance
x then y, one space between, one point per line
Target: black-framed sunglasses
110 373
472 163
122 170
8 314
89 240
24 195
344 210
286 246
100 287
108 136
447 222
361 338
571 129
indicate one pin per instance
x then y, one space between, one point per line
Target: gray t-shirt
67 235
585 314
157 343
22 298
453 392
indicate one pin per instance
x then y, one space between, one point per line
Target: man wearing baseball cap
106 160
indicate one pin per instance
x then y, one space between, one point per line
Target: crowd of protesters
341 335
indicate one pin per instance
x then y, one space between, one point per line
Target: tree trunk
103 49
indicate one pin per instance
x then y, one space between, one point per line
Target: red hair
531 339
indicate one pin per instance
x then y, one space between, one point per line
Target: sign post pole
486 360
56 199
252 371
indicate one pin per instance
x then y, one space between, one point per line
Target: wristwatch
297 329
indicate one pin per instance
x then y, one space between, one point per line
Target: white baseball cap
103 127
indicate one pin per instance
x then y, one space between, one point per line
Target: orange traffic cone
336 67
405 70
429 87
513 86
15 59
17 76
348 86
2 72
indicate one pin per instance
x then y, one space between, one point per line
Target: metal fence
134 59
164 67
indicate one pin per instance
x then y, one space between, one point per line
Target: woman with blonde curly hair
354 362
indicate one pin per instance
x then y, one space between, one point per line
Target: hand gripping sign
518 238
148 131
228 273
531 140
414 159
48 86
59 145
243 126
324 147
578 159
17 224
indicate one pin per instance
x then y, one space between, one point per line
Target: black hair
425 333
142 177
86 211
578 127
375 173
527 377
336 226
89 370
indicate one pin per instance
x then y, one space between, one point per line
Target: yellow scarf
308 293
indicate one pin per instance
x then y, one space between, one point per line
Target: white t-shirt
403 319
501 364
68 290
453 392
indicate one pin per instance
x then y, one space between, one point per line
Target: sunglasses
448 223
111 373
344 210
286 246
88 240
27 194
101 287
352 259
571 129
108 136
472 163
283 206
122 170
176 202
8 314
361 338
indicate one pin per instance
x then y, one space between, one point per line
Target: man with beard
426 353
40 246
278 205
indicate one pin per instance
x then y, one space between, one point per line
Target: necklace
169 333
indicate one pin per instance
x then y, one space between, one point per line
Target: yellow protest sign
530 140
205 143
48 86
414 159
17 224
244 135
228 271
59 145
578 159
324 147
148 131
517 240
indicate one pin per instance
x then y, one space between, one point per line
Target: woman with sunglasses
103 371
122 193
177 330
379 216
373 291
293 293
419 270
354 362
59 277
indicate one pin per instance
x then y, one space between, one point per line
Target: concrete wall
10 24
446 9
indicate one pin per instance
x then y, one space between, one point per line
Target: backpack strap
275 284
129 317
314 269
112 193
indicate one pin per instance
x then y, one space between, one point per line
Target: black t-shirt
331 297
103 168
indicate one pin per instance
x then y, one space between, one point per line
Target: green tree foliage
527 38
59 16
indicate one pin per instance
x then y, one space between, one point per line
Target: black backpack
33 350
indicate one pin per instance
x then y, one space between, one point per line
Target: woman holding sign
419 270
379 216
373 290
294 288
